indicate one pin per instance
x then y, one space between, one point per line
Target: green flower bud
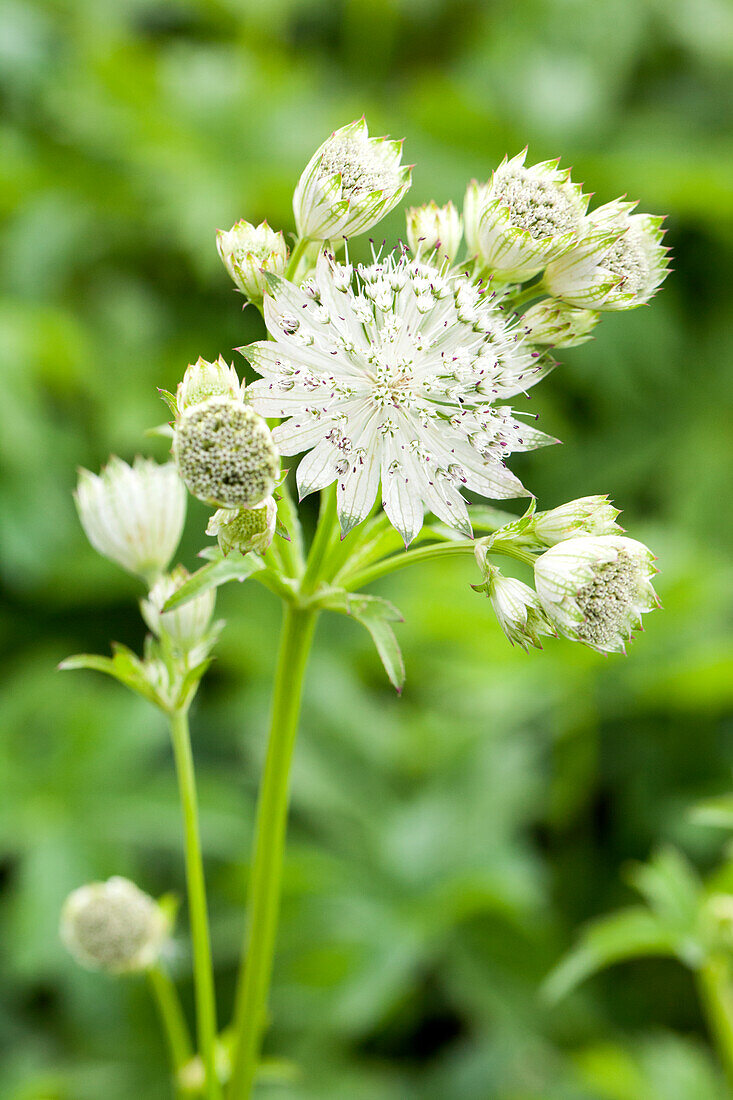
244 529
186 625
203 380
434 232
248 252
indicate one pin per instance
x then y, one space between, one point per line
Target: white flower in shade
517 606
594 515
434 232
396 378
113 926
133 515
594 589
225 453
551 323
619 262
203 380
245 529
349 184
249 252
186 625
528 216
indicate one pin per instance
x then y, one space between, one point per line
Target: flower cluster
113 926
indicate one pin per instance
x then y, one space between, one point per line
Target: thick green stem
716 993
269 845
383 568
172 1020
198 916
326 533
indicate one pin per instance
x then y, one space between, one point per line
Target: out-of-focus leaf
233 567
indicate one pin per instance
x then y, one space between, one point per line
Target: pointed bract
434 232
517 606
552 323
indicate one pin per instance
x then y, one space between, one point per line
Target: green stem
529 293
383 568
172 1020
300 249
198 916
326 532
269 844
716 994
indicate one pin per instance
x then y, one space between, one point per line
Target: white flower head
113 926
552 323
517 607
528 216
133 515
203 380
349 184
186 625
395 378
248 252
619 262
594 515
245 529
594 589
434 232
225 453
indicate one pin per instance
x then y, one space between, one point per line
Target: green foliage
446 845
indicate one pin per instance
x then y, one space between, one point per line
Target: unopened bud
249 253
113 926
203 380
186 625
244 529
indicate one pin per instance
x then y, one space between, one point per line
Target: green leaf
221 570
717 812
124 666
627 934
670 886
375 614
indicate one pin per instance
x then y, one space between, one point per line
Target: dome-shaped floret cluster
248 252
350 182
133 515
186 625
225 453
395 375
244 529
595 589
113 926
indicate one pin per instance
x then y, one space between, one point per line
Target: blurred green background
444 846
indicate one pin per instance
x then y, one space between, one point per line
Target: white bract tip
249 252
517 607
552 323
396 377
113 926
203 380
244 529
593 515
618 263
187 625
595 589
526 217
225 453
349 184
133 515
434 232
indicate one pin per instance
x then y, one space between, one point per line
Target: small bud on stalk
434 232
595 589
225 453
554 324
594 515
113 926
203 380
245 529
516 605
186 625
133 515
250 252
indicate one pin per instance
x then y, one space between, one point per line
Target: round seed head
113 926
225 454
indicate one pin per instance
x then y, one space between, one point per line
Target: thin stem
425 553
529 293
198 916
269 844
301 246
716 994
172 1019
326 531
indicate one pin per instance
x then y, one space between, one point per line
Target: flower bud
515 604
528 216
133 515
186 625
594 589
203 380
245 529
113 926
349 184
225 453
249 252
585 516
618 263
434 232
551 323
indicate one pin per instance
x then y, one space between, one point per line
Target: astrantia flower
225 453
186 625
113 926
595 589
349 184
551 323
203 380
244 529
593 515
133 515
434 232
528 216
248 252
395 378
618 264
517 607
